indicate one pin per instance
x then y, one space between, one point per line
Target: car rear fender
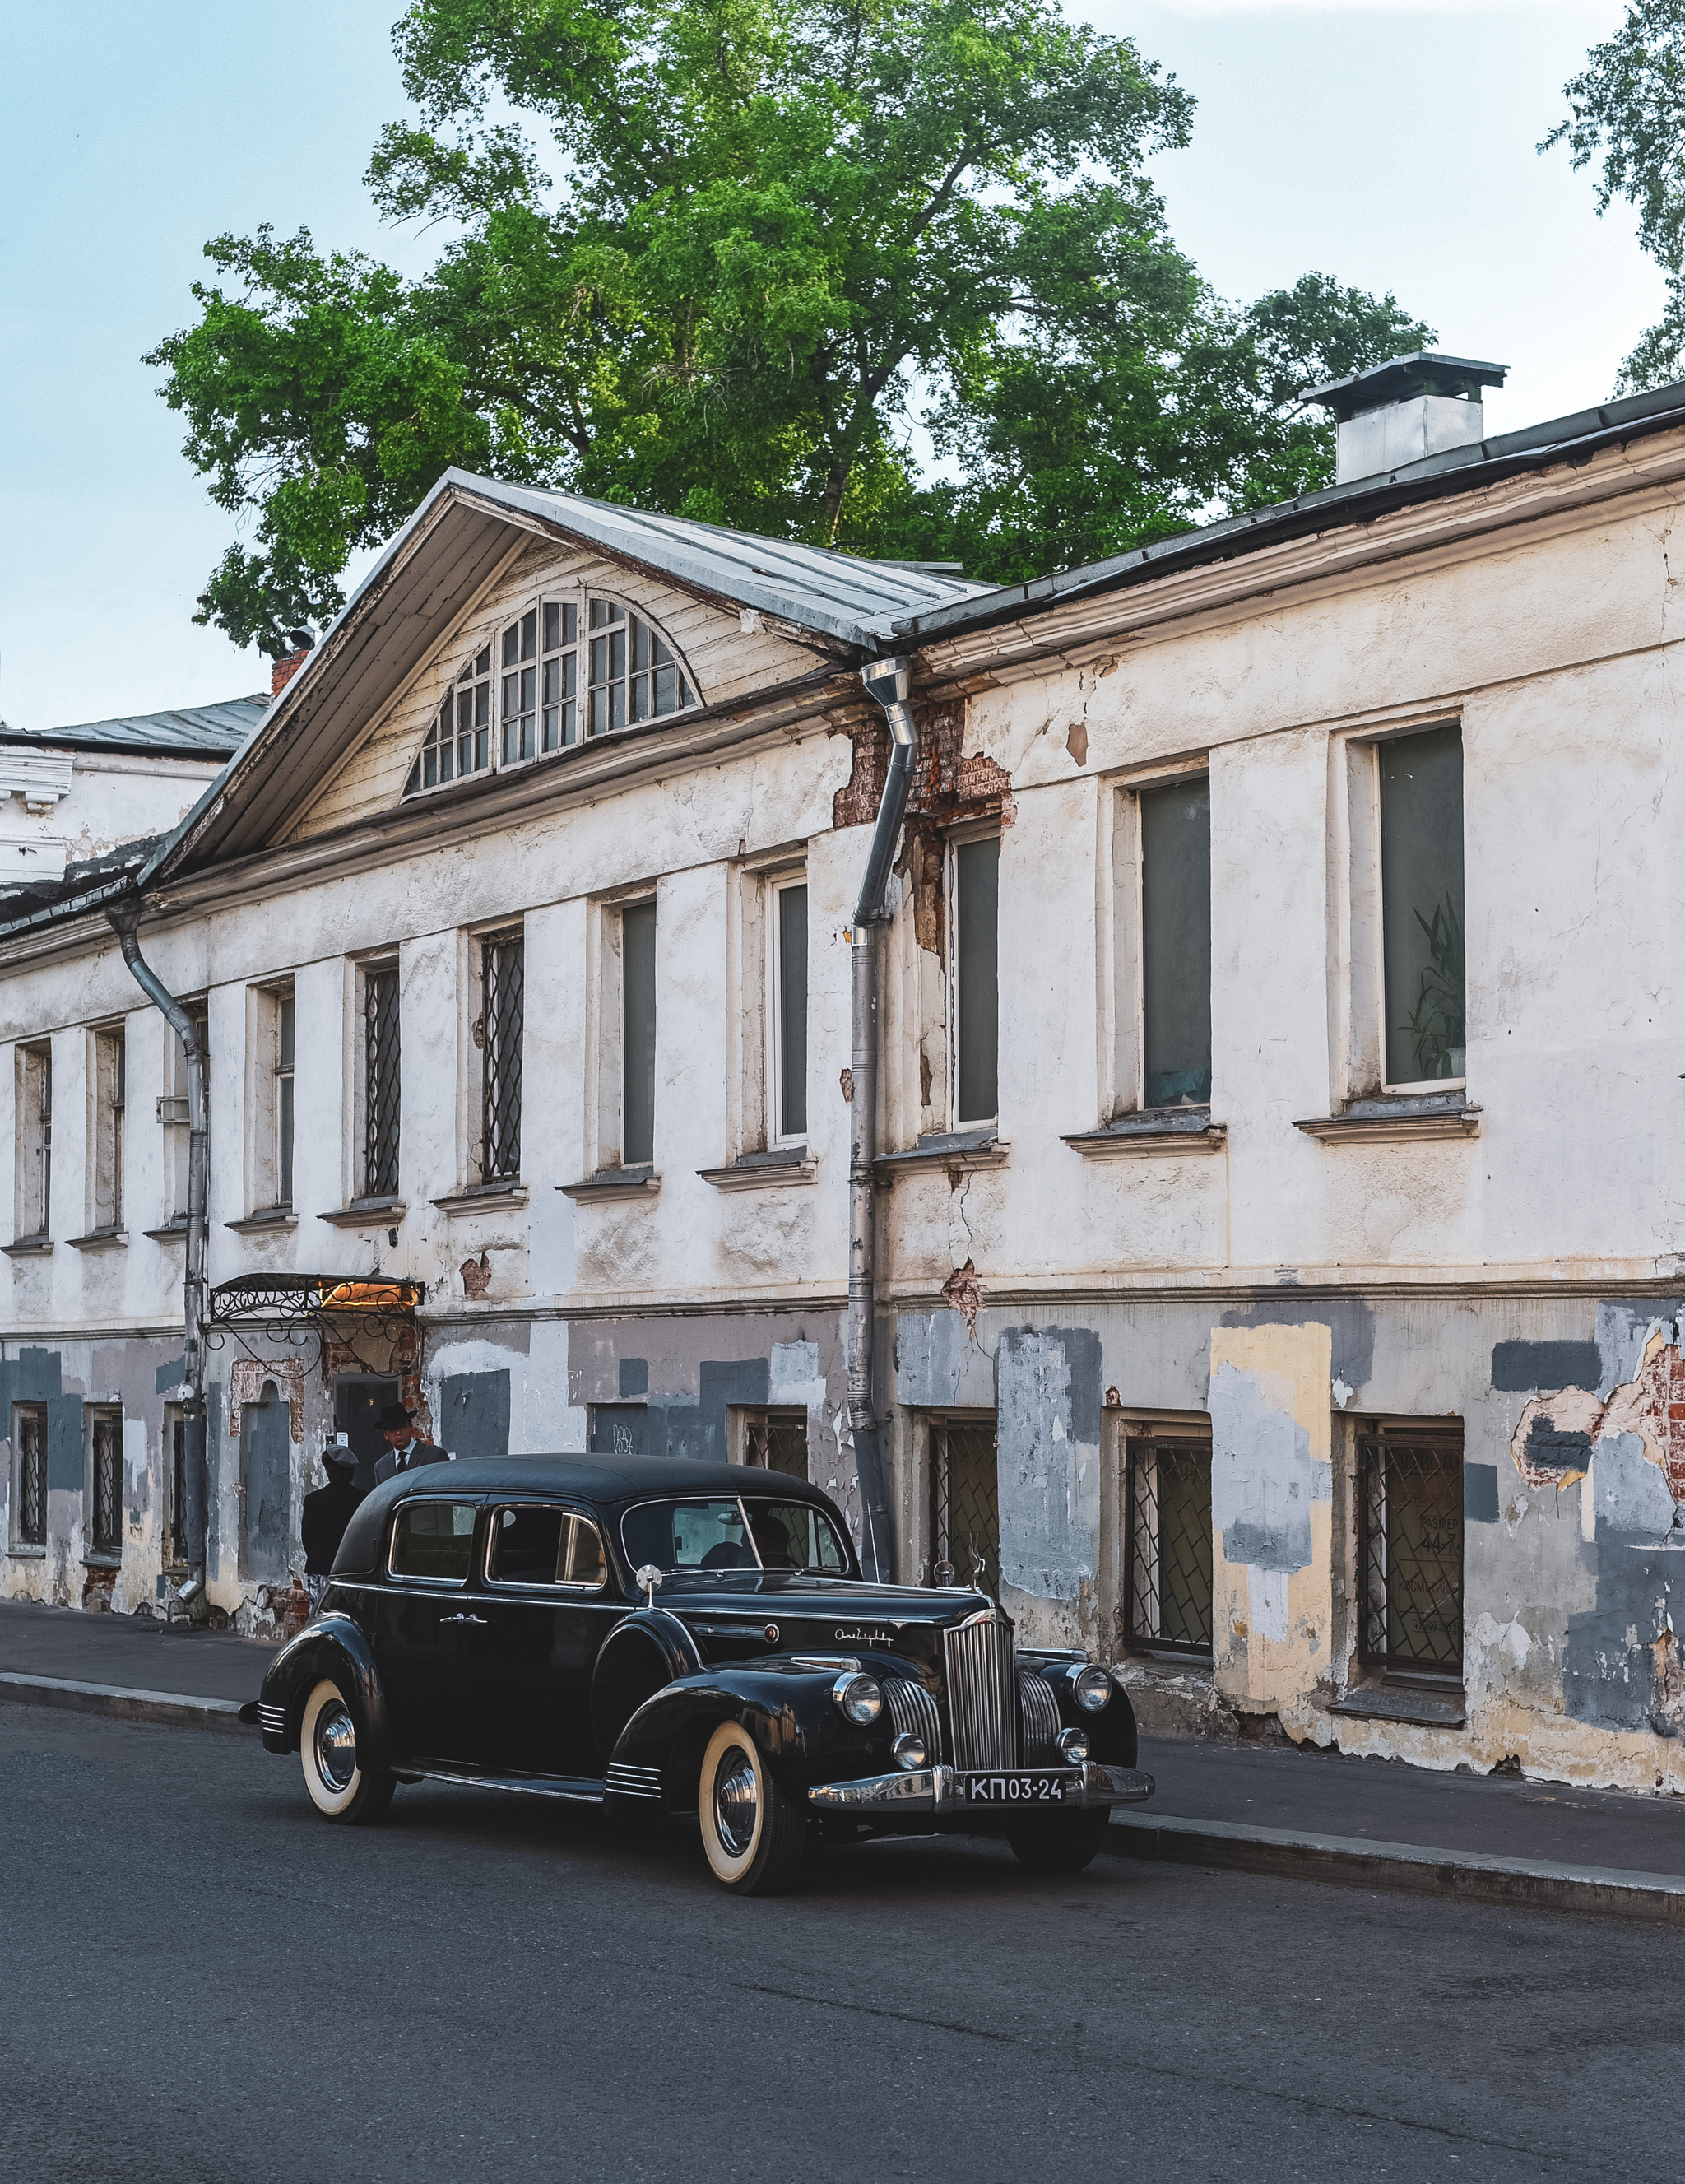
337 1647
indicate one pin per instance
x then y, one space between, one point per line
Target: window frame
747 1424
1139 1436
566 1588
1138 792
637 904
960 838
936 1498
107 1086
94 1416
33 1138
22 1543
777 887
1415 1086
378 969
1449 1438
434 1500
511 1084
581 602
173 1111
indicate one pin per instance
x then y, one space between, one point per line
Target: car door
541 1607
419 1629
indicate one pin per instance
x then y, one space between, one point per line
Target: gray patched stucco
1048 1394
1609 1665
1263 1476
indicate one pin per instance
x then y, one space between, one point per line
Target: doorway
265 1462
358 1399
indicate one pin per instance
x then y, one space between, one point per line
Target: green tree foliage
769 237
1627 108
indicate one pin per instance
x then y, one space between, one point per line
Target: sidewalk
1367 1823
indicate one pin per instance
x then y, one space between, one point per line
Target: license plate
1015 1789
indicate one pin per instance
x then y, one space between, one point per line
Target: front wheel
754 1834
1065 1845
341 1788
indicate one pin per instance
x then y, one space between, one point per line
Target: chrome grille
915 1713
1041 1720
982 1701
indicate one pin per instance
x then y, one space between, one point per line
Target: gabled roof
455 543
204 731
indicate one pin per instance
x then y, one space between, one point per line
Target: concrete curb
1356 1862
176 1708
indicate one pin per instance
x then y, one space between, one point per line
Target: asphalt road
201 1983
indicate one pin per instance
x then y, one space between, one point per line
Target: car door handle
479 1619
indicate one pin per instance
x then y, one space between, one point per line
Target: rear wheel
1065 1845
754 1834
341 1788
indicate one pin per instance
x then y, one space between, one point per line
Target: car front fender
797 1730
332 1646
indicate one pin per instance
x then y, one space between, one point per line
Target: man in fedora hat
403 1448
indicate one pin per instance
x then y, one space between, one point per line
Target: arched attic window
562 670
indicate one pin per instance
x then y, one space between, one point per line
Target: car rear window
434 1540
532 1545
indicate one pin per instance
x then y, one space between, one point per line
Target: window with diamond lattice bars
776 1440
1167 1559
381 1081
502 989
562 670
29 1439
964 1508
105 1485
1410 1549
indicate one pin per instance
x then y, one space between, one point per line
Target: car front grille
272 1719
915 1713
1041 1720
983 1692
624 1781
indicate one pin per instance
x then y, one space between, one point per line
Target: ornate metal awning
298 1308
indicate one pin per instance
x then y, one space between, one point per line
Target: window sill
276 1217
641 1182
100 1240
1381 1702
27 1552
483 1198
958 1149
102 1562
173 1231
1401 1120
28 1247
788 1165
1176 1131
367 1213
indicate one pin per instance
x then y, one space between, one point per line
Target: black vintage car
664 1636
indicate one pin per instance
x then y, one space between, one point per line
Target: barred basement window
105 1484
1167 1585
503 987
1410 1549
776 1440
964 1527
381 1082
29 1437
550 687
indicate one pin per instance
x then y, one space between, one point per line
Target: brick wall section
284 669
947 787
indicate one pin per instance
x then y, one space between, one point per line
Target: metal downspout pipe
125 921
890 682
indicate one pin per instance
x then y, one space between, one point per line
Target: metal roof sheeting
209 732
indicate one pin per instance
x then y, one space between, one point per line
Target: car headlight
1073 1747
912 1752
860 1697
1091 1690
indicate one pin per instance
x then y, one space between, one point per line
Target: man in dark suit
403 1448
323 1517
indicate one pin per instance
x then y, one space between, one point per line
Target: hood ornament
648 1583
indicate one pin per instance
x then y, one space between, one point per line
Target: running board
571 1789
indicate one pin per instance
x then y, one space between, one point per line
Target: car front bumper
945 1790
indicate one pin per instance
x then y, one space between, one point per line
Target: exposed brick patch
946 788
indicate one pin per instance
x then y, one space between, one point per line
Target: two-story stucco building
1276 1204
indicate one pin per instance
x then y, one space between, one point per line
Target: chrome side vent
1041 1720
915 1713
627 1781
272 1719
983 1692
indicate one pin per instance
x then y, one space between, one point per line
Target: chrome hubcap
735 1802
335 1746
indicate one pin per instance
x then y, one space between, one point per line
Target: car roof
605 1478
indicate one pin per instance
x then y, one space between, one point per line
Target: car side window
532 1545
434 1541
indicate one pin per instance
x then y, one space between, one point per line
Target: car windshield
725 1532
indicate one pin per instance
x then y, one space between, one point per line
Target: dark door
542 1609
358 1399
419 1626
265 1478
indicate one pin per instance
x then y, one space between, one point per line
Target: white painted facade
1262 1284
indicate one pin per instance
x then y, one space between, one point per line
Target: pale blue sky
1390 145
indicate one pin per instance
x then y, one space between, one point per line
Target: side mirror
649 1582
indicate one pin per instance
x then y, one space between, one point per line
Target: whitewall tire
341 1787
753 1835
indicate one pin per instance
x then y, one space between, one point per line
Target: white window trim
775 885
582 597
263 1096
981 831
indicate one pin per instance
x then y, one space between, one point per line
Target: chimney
284 669
1404 411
